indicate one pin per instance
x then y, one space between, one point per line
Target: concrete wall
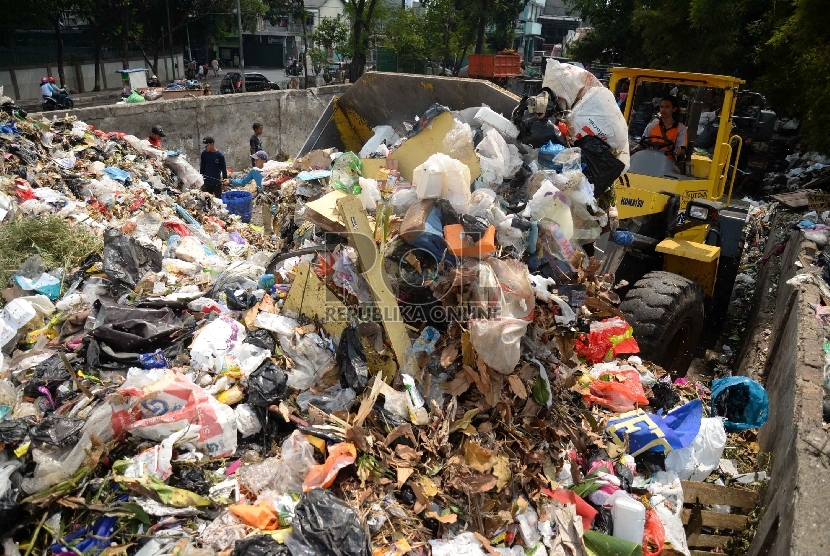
794 518
287 116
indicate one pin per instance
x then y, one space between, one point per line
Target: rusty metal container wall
379 98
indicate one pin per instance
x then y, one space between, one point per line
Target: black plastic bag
132 330
261 338
57 430
536 132
354 369
267 385
602 167
50 373
663 396
240 300
10 511
325 524
13 431
603 522
126 261
193 479
260 545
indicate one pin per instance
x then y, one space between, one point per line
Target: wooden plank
796 199
707 493
363 241
710 541
718 520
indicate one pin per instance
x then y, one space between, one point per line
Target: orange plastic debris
322 476
461 247
259 516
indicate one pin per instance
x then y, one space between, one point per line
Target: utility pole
241 55
170 38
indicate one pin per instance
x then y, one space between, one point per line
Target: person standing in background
213 168
215 67
255 142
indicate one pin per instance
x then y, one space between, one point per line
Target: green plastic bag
345 173
135 97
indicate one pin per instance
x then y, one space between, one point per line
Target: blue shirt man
213 168
255 173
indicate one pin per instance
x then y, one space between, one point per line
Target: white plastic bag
465 544
597 114
498 160
369 193
697 461
456 181
218 339
458 142
667 500
498 341
569 82
247 422
173 403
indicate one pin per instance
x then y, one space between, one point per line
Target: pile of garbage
378 366
804 170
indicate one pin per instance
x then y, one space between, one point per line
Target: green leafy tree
331 34
404 32
800 51
364 17
451 28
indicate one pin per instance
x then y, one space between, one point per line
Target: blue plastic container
239 203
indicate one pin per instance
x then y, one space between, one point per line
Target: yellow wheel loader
681 235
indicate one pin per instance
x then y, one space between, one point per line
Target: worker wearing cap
213 168
155 136
255 173
154 82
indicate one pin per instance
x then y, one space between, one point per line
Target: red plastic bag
606 340
177 228
618 391
654 536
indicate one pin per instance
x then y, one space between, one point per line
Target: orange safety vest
661 132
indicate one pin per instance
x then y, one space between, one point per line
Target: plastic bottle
428 181
629 517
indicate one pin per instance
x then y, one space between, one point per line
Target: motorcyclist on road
45 89
57 93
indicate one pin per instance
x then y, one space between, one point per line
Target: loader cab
702 97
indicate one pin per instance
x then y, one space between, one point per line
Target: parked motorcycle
62 102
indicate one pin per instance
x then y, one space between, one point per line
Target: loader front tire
666 312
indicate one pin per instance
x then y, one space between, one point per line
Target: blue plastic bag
741 401
117 174
155 360
655 432
547 153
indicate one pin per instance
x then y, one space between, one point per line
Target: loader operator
665 133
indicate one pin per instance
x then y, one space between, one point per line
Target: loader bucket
380 98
